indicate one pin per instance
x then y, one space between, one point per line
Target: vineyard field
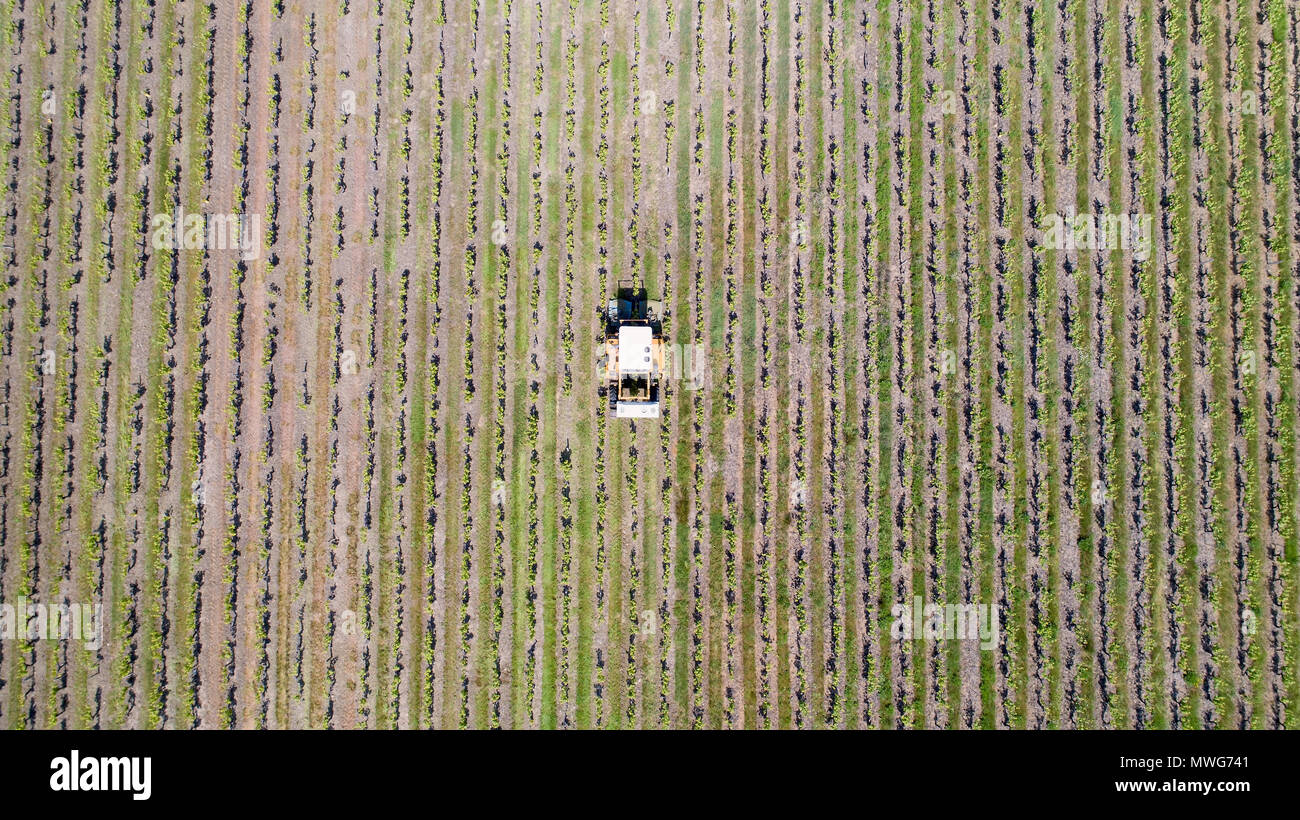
979 411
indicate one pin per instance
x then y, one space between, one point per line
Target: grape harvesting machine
634 353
